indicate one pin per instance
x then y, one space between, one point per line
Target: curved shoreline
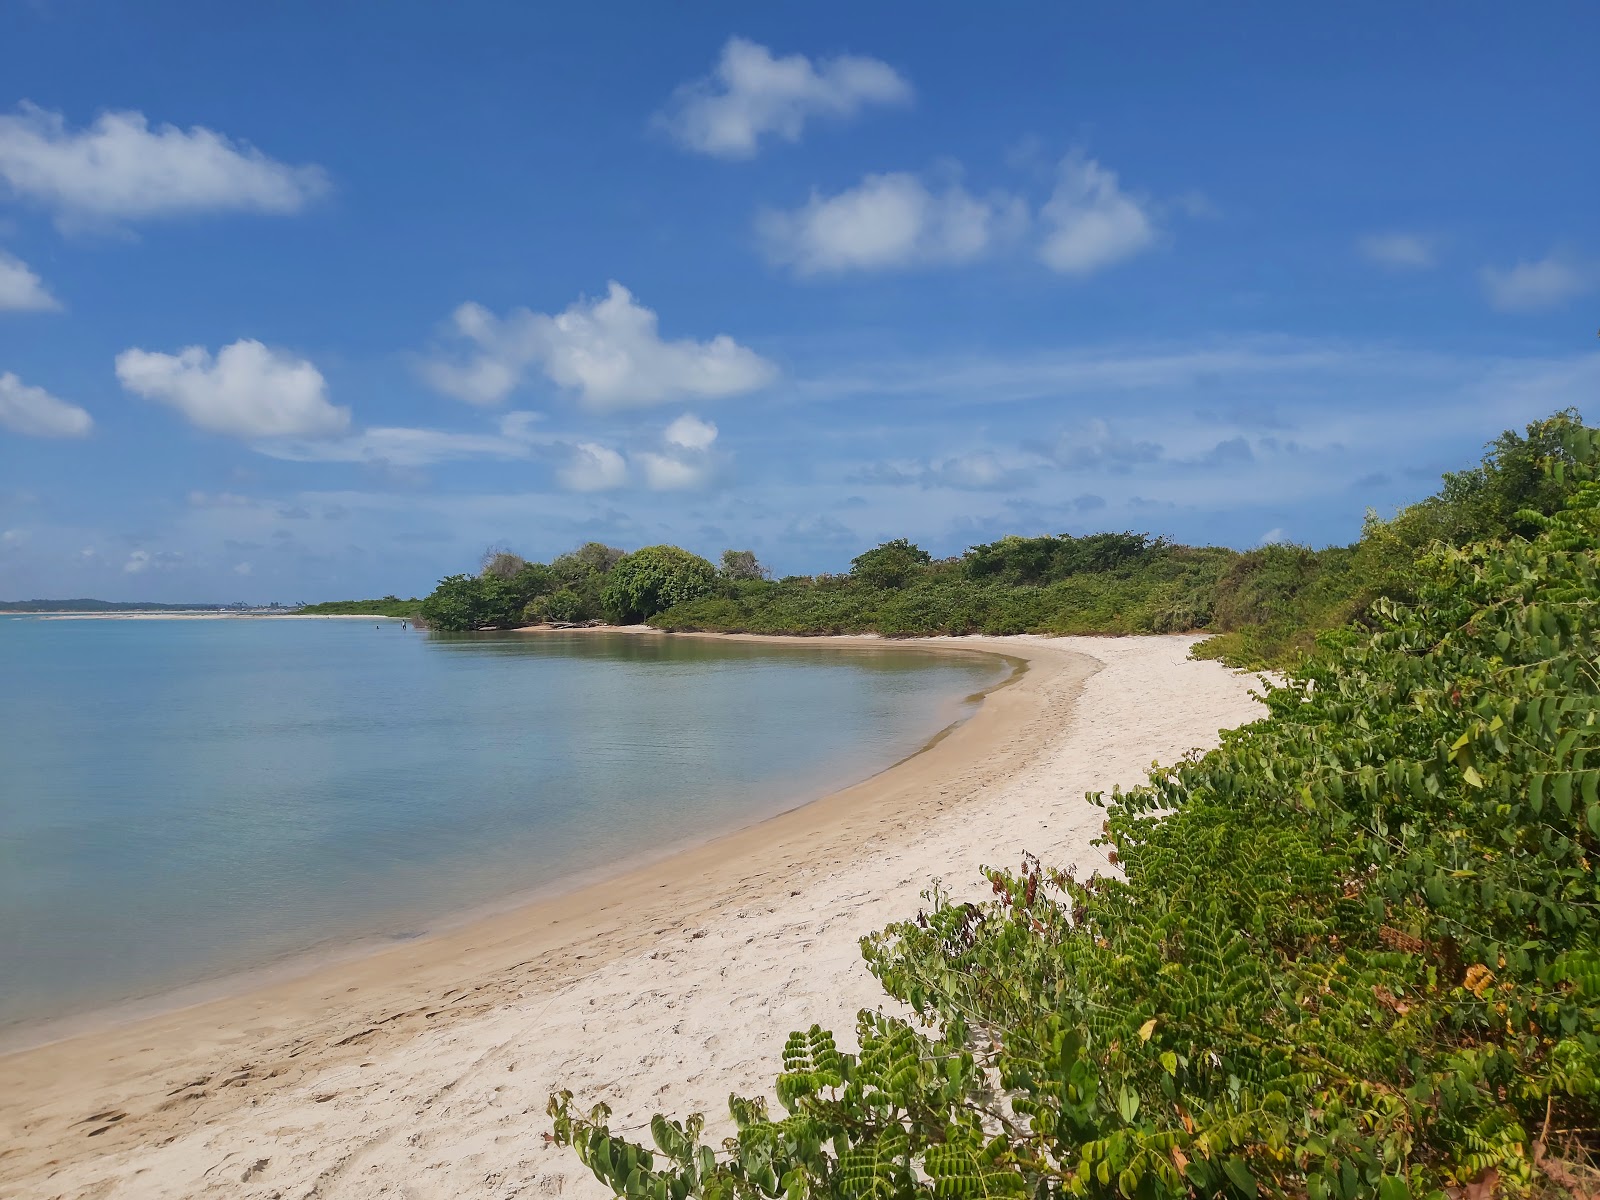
662 988
336 953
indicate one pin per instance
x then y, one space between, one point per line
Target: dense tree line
1264 606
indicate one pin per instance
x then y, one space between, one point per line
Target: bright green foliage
511 591
1274 601
457 603
655 578
1036 560
1104 583
1354 951
891 565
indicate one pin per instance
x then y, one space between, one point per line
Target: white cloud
689 432
246 391
684 459
243 568
750 94
593 468
21 290
35 412
1091 222
400 446
609 351
1546 283
1412 250
888 221
668 473
1273 537
119 168
13 537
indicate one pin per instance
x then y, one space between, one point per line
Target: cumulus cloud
120 168
35 412
21 290
593 468
689 432
888 221
1545 283
750 94
1090 221
243 568
1404 250
608 351
247 390
684 460
138 561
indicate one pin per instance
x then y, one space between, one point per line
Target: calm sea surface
181 800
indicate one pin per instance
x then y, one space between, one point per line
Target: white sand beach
422 1071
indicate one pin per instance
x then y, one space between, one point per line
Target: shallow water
180 800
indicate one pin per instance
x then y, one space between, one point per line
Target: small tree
501 563
653 579
740 565
891 565
456 604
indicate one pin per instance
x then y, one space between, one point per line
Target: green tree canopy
653 579
891 565
456 604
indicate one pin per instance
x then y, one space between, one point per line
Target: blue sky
302 301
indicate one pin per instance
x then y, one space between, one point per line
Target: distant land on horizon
84 605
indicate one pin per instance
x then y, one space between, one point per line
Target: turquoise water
181 800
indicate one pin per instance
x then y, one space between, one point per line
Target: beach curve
422 1070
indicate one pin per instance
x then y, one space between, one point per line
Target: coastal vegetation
1263 607
1352 952
388 606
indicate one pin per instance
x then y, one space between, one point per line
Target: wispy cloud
751 95
21 290
1548 282
1413 251
36 413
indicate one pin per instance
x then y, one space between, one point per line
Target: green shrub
1353 952
655 578
456 604
891 565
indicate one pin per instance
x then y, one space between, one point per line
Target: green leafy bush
655 578
891 565
1353 952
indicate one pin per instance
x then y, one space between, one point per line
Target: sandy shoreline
422 1070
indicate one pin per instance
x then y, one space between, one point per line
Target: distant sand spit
421 1071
